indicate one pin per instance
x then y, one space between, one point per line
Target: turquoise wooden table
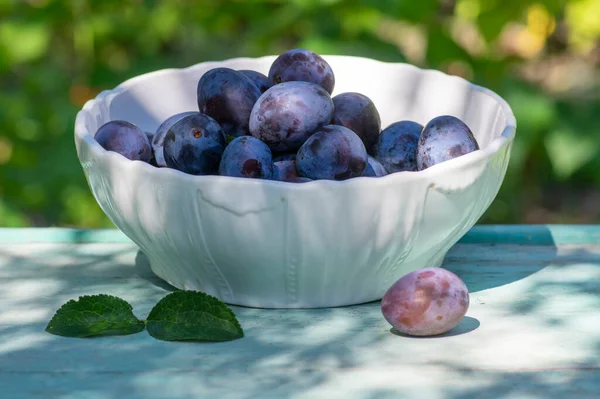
532 331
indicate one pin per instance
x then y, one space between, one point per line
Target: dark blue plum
284 156
194 145
374 168
259 80
396 147
159 136
286 171
332 153
302 65
152 160
288 113
249 157
444 138
126 139
227 96
358 113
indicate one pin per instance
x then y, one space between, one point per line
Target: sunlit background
543 57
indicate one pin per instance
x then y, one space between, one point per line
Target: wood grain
532 331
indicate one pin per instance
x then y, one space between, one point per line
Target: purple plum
302 65
159 137
288 113
194 145
227 96
396 147
333 153
358 113
126 139
284 156
444 138
260 80
286 171
248 157
429 301
374 168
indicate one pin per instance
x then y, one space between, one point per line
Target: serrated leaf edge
51 329
228 310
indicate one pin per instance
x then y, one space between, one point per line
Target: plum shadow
466 325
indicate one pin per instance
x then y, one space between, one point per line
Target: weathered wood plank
489 234
532 331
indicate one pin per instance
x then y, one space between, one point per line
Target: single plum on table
248 157
194 145
429 301
396 146
227 96
444 138
286 171
260 80
159 136
288 113
358 113
374 168
302 65
126 139
332 153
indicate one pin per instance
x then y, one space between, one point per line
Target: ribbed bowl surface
281 245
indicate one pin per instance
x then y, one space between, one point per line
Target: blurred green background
542 56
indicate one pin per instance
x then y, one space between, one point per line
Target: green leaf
192 316
569 151
94 316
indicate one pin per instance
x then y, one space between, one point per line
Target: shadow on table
566 281
144 271
285 353
489 264
466 325
581 381
481 265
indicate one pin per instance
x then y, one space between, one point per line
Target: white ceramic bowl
283 245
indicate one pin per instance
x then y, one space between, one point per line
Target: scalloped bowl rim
507 135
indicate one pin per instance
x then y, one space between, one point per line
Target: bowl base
263 299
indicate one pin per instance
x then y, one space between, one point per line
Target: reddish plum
426 302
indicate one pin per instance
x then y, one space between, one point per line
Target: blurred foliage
542 56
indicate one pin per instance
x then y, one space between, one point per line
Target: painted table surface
532 330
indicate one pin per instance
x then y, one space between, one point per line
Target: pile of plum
287 127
